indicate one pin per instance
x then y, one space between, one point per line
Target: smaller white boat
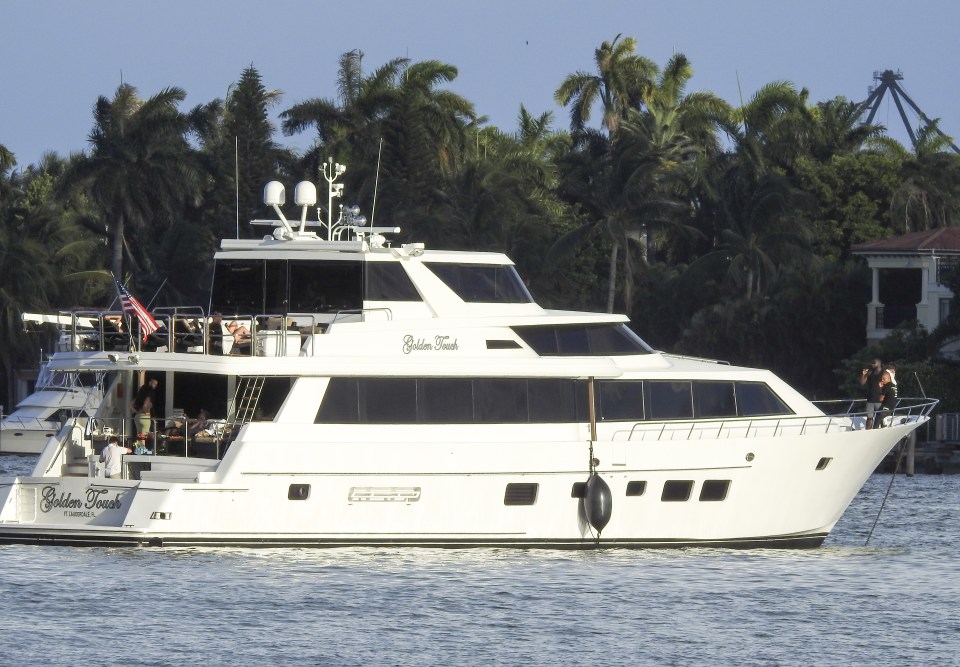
59 397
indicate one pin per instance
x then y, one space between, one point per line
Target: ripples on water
893 602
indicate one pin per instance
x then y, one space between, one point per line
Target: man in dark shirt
870 379
888 396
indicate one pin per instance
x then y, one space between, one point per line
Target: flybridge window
582 339
387 281
482 283
256 286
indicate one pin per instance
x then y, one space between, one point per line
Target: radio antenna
376 184
236 178
922 392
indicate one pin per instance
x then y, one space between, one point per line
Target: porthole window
298 492
714 490
636 488
677 490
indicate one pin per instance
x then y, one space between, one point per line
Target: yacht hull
751 492
25 441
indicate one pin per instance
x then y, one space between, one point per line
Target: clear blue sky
58 56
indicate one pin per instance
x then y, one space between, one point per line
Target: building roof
943 240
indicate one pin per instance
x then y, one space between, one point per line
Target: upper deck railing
190 330
839 416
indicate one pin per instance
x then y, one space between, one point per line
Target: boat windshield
582 340
482 283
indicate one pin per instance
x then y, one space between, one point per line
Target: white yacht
364 392
58 398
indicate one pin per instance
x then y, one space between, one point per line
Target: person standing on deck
889 396
112 457
142 407
870 379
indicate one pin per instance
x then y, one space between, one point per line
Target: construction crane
888 82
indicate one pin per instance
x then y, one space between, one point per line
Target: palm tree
503 197
621 82
7 161
668 144
836 129
755 205
140 172
41 245
398 117
929 193
349 127
656 134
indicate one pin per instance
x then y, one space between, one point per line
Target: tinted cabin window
387 281
621 401
615 339
482 283
323 287
388 401
452 401
237 287
714 399
276 297
500 401
445 401
341 402
543 340
670 400
272 395
243 286
551 401
755 399
582 339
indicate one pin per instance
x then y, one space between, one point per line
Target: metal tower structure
888 82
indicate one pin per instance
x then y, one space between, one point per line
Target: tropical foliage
722 230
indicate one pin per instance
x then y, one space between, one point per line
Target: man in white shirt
112 457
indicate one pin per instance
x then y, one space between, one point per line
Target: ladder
245 402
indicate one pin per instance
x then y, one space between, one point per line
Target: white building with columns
907 271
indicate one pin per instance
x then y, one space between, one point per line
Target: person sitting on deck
193 426
241 337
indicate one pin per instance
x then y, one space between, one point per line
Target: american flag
131 306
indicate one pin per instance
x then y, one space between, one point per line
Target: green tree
929 191
853 193
759 214
42 246
141 172
397 118
621 82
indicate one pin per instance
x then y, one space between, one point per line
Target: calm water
894 602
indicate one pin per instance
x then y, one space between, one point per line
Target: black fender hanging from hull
597 502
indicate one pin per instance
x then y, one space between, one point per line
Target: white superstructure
391 394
